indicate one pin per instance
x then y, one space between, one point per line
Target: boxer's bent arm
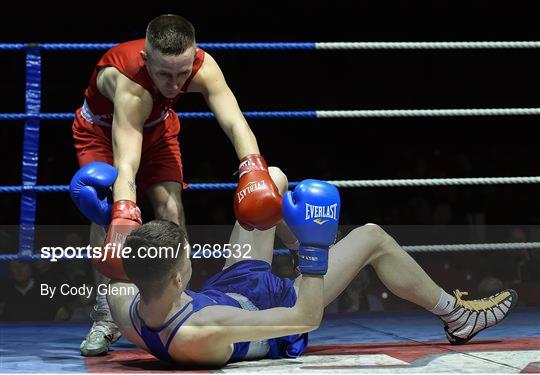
132 106
211 83
233 325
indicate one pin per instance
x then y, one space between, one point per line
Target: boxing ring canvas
352 343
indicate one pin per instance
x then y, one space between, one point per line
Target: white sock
445 305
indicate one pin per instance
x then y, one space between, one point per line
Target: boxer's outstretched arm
231 324
211 83
132 106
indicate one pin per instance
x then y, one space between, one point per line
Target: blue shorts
254 280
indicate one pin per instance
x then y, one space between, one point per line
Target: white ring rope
427 45
430 112
436 181
473 247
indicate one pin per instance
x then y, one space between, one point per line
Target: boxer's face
169 72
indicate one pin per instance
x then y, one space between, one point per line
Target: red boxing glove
257 203
126 217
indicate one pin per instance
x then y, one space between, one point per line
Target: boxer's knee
374 237
279 178
373 231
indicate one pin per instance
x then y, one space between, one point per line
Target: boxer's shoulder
120 303
208 73
110 80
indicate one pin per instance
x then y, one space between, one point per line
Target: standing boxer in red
127 121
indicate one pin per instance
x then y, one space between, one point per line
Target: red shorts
160 159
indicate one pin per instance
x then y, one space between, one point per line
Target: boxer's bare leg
101 310
370 244
104 331
166 199
259 243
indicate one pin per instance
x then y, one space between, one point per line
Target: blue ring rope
65 188
183 115
306 46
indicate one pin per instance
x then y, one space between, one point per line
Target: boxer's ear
177 280
144 55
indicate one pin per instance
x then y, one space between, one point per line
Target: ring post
30 150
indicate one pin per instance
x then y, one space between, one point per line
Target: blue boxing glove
311 211
90 190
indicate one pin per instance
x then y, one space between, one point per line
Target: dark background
304 80
289 80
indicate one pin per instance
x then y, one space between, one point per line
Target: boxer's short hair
170 34
151 275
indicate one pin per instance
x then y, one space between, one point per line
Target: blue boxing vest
230 287
158 341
